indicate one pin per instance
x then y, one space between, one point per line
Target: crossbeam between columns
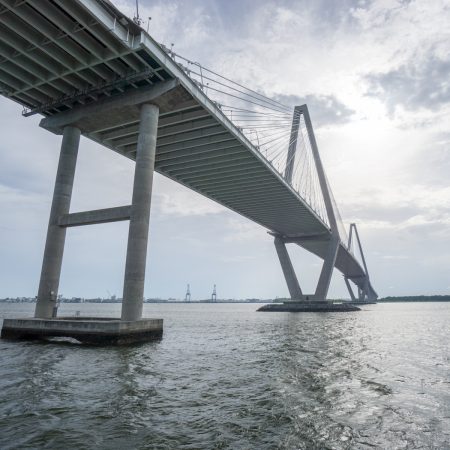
95 216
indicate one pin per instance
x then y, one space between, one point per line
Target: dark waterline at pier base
309 306
88 330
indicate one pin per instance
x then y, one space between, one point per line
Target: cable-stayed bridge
91 71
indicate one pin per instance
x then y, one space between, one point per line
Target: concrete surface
56 235
309 306
133 288
89 330
95 216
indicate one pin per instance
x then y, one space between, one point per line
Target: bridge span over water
91 71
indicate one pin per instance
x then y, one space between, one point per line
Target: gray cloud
328 13
431 166
380 212
324 109
417 84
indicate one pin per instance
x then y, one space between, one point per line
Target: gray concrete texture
138 214
288 269
87 330
56 235
95 216
309 307
133 289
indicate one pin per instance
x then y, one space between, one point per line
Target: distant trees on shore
417 298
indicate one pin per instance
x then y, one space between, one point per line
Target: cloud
417 211
184 203
238 258
324 109
416 85
431 165
242 231
394 257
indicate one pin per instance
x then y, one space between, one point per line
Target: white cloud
182 203
239 231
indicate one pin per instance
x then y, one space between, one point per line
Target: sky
375 75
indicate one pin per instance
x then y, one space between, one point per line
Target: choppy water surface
225 376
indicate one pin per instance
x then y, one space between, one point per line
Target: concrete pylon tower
323 284
366 293
187 298
214 294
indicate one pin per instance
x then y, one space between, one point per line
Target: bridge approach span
85 66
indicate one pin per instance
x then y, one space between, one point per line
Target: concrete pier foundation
88 330
310 306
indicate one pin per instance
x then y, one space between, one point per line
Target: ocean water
227 377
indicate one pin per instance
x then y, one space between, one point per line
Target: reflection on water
225 376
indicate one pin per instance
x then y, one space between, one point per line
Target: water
225 376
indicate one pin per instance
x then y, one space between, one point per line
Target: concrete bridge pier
327 269
350 290
288 269
300 302
56 235
94 330
133 289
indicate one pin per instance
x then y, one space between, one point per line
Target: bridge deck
58 57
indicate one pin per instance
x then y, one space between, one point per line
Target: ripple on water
225 376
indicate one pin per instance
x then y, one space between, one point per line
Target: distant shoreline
391 299
415 299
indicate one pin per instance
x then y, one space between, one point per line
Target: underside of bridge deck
91 71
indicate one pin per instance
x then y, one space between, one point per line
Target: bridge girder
197 145
207 157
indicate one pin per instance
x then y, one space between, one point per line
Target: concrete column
350 290
288 269
56 235
327 269
133 289
320 171
290 161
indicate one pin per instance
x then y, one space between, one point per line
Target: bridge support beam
327 269
56 235
365 292
350 290
133 290
288 269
